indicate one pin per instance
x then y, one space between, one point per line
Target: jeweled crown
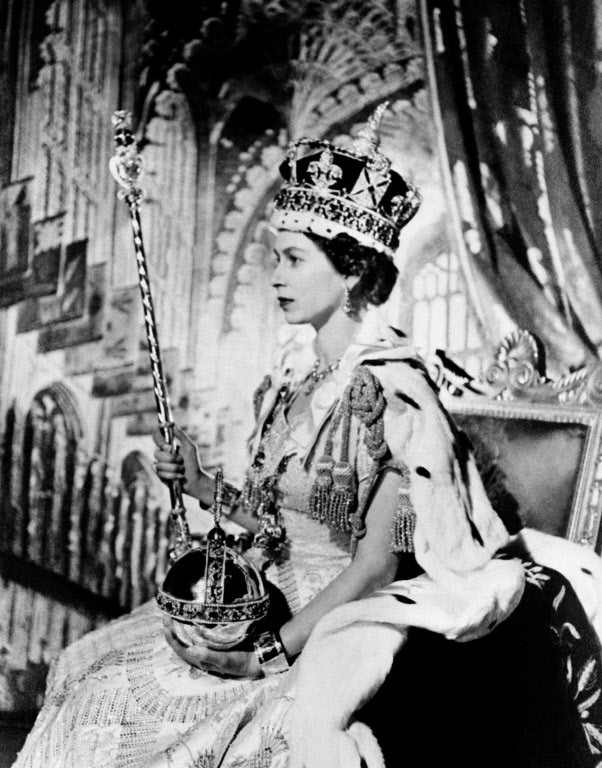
330 189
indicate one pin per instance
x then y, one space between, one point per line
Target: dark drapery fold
516 96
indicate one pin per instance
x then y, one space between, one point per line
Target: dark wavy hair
377 273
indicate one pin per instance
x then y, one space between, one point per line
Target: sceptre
127 167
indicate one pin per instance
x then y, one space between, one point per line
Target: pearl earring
347 308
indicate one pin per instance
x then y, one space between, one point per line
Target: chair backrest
536 438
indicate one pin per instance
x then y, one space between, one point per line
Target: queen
367 508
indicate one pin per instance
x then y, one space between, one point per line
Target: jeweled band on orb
190 610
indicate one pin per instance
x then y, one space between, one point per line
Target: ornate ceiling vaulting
294 56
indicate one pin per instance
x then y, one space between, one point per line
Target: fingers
179 649
171 461
168 465
165 448
179 434
168 474
186 652
164 453
212 661
197 656
228 663
188 446
158 438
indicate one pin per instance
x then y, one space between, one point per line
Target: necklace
315 376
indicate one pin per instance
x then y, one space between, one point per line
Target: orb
213 595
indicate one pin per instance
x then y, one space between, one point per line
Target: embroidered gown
120 697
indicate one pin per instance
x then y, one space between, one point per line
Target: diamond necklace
315 376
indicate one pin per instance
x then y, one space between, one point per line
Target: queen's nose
278 276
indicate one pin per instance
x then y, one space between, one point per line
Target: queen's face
308 288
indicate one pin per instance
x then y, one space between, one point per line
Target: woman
370 482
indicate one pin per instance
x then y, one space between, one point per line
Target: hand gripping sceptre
127 168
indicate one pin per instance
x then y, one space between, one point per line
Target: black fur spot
407 399
404 599
423 472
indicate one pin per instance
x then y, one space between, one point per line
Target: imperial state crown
330 190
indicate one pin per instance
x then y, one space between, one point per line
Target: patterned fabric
580 652
121 698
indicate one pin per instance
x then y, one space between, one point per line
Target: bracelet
230 498
270 653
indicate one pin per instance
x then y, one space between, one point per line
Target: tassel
342 499
321 489
405 517
251 496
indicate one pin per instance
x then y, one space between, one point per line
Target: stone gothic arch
51 434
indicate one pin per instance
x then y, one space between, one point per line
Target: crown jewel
219 607
330 189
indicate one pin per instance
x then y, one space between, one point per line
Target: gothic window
49 455
441 316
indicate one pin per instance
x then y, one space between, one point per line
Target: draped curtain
517 102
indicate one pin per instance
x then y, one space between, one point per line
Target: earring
347 308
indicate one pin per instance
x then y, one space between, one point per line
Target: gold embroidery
272 745
333 497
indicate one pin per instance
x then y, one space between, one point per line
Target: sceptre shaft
127 168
